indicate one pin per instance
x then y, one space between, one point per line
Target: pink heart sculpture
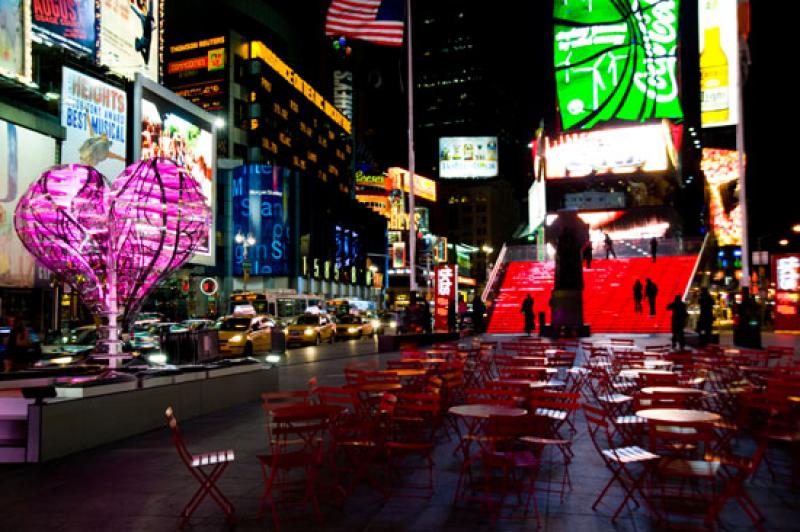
112 244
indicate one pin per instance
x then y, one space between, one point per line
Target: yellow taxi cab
310 329
243 335
351 326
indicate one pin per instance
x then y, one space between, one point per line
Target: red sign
445 292
786 274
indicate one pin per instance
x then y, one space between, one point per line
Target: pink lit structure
113 242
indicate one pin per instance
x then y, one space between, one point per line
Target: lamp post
246 242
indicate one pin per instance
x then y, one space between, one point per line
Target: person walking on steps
653 248
637 296
609 246
587 254
705 320
527 311
679 315
650 291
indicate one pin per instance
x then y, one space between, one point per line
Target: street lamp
246 242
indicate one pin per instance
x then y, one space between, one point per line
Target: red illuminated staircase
607 295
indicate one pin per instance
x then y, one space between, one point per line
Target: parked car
389 323
149 318
74 347
194 324
310 329
351 326
245 335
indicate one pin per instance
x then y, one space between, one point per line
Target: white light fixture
219 123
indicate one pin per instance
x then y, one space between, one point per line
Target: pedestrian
637 296
705 320
19 343
653 248
451 315
679 315
609 246
426 317
462 311
650 291
527 311
478 308
587 254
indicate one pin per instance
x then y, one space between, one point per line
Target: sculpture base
566 307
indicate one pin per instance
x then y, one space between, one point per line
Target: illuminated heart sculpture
113 244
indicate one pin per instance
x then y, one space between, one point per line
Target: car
194 324
389 322
244 335
149 318
310 329
351 326
74 347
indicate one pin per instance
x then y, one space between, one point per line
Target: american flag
377 21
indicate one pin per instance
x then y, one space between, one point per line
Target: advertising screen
129 37
616 60
610 151
721 168
169 126
445 293
94 115
17 172
423 187
786 272
465 157
197 70
537 204
261 208
719 72
348 247
15 52
68 24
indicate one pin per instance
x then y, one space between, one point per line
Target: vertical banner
261 208
24 155
95 117
445 279
343 92
15 49
786 273
398 255
719 62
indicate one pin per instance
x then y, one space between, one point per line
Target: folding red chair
196 464
619 460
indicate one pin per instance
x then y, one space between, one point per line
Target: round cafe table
474 416
672 389
678 415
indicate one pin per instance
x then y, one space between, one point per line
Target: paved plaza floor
140 484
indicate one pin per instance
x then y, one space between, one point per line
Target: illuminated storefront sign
15 39
610 151
719 65
343 92
423 187
68 24
197 71
721 168
616 60
445 283
786 272
259 50
130 37
94 115
399 255
440 250
467 157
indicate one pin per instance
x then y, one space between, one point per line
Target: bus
350 305
284 306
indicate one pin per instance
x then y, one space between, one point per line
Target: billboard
445 276
94 115
423 187
260 208
197 70
537 204
786 272
129 37
465 157
15 42
721 168
71 25
719 64
616 60
17 172
166 125
620 150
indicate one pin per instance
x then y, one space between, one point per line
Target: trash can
205 344
179 347
278 341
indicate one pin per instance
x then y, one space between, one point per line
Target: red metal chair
197 464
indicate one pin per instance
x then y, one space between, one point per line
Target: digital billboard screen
169 126
616 60
71 25
721 169
17 172
786 273
467 157
719 66
260 209
130 36
197 70
94 115
15 51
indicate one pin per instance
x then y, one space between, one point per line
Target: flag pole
412 233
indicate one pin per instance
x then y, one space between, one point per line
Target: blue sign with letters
261 210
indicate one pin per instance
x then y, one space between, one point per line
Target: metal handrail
501 256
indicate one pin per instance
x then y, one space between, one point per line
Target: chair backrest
525 373
351 376
597 426
378 377
657 379
345 396
302 430
313 384
180 445
272 400
684 439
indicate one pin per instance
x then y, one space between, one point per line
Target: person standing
653 248
527 311
19 342
451 315
637 296
679 315
609 246
587 254
705 320
650 291
478 309
462 311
